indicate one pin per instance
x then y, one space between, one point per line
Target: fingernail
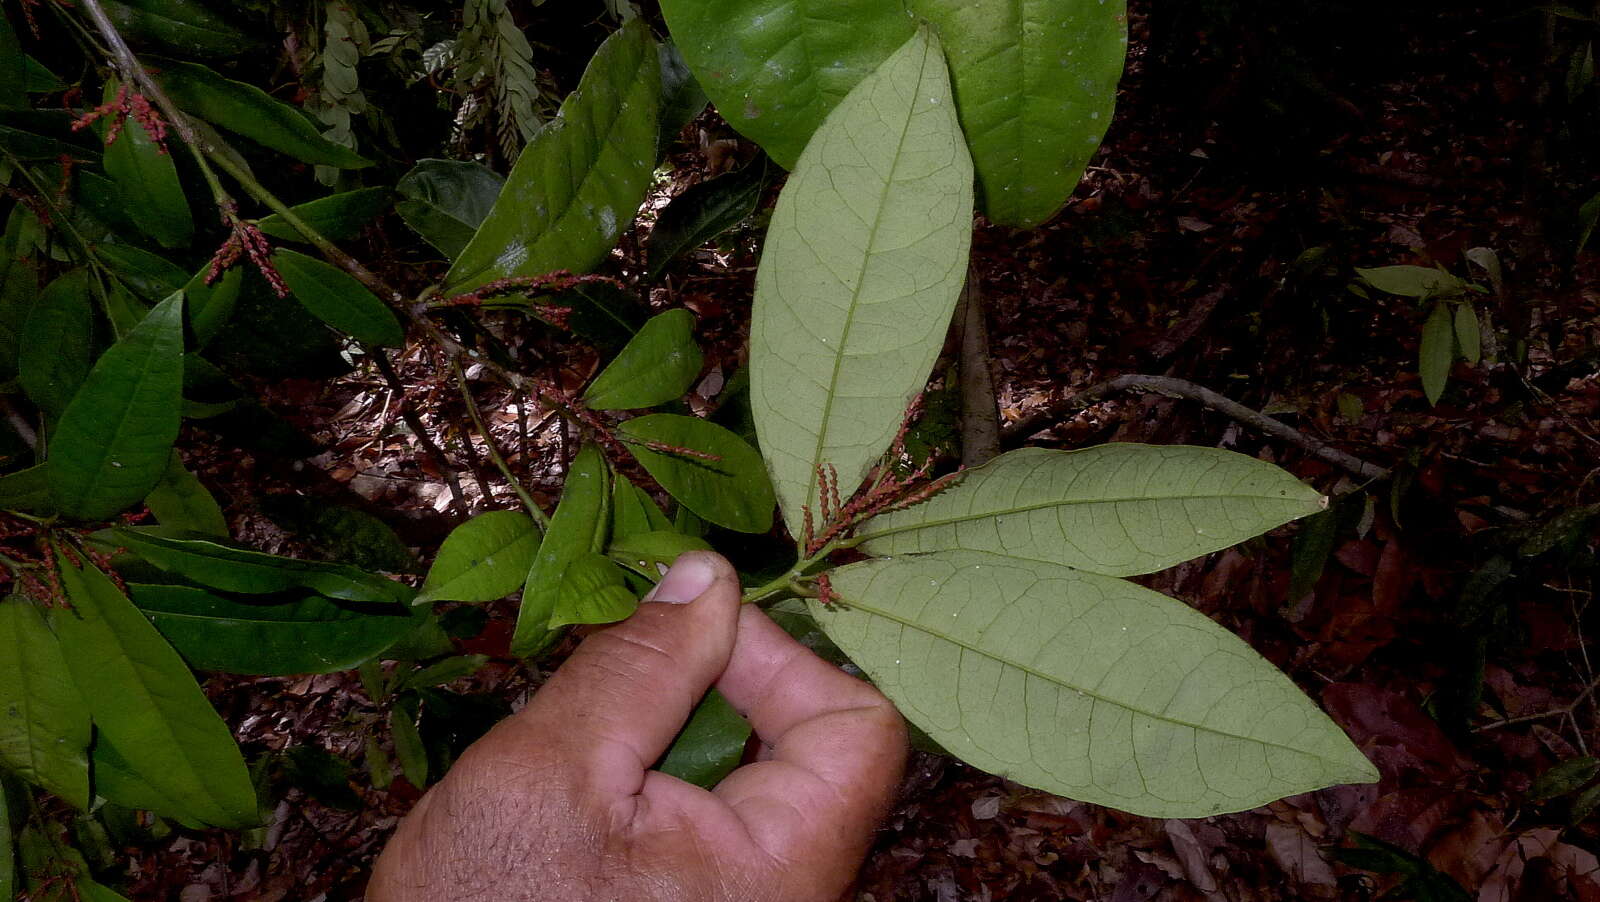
690 576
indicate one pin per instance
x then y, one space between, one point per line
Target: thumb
617 702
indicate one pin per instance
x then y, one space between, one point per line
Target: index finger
837 747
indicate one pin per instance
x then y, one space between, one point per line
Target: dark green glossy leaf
577 528
408 744
1570 775
711 744
180 502
144 701
114 439
37 79
580 181
592 591
57 347
602 313
441 672
322 775
210 306
1437 352
150 277
30 147
27 490
13 71
338 299
731 491
445 201
338 217
251 112
274 636
649 553
44 723
341 534
633 511
1312 547
484 558
147 181
705 211
682 98
187 26
211 562
658 365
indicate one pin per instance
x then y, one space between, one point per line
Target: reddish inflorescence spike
245 238
118 109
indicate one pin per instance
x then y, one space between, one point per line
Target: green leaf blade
592 591
1115 509
1436 352
1084 685
445 201
147 181
145 702
57 347
338 299
587 169
116 435
577 528
483 559
711 744
864 261
249 111
731 491
704 211
44 723
219 565
179 501
657 365
1407 280
338 217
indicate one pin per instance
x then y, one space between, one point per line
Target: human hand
558 802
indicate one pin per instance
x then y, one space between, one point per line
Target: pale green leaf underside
1084 685
580 181
1117 509
864 260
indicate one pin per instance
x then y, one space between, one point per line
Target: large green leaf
338 217
1035 81
147 181
711 744
338 299
864 260
580 181
214 563
633 511
180 502
186 26
1117 509
144 701
1411 281
445 201
657 365
57 347
1084 685
703 212
44 723
13 69
1436 352
274 636
592 590
249 111
149 276
577 528
732 490
116 435
484 558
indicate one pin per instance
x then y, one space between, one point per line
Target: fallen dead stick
1179 388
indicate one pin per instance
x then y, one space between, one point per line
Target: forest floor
1214 240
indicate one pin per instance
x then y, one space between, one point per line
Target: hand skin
558 803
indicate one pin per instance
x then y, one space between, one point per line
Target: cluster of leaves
994 612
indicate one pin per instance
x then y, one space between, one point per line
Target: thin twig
1563 711
534 511
458 498
980 417
1179 388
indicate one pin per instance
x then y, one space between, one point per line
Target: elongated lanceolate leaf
580 181
484 558
1084 685
187 26
1117 509
338 299
215 563
1035 82
1411 281
13 69
116 435
445 201
180 502
57 347
865 257
1437 352
148 276
727 488
705 211
145 701
273 636
147 181
632 511
338 217
249 111
44 723
577 528
1469 337
657 365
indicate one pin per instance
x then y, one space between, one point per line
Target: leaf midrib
855 293
1029 508
1056 681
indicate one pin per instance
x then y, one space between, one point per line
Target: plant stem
458 499
789 580
534 511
